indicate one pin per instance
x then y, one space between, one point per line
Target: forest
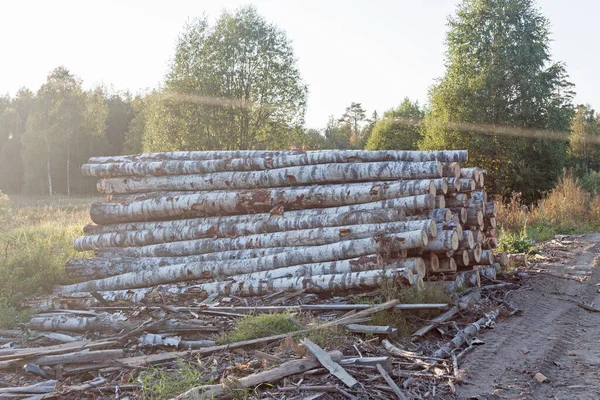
235 84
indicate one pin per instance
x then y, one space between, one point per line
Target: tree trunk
487 257
467 242
451 170
191 271
444 241
474 217
232 229
302 158
461 257
259 200
407 204
446 265
441 185
283 177
302 237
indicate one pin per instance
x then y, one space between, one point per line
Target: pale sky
374 52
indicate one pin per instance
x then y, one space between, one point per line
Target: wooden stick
332 366
391 382
286 369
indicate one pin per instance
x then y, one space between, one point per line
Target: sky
372 52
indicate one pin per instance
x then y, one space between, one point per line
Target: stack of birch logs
247 223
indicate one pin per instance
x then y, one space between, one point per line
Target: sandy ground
552 335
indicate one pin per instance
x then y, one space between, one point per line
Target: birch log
232 229
441 185
444 241
311 157
487 257
439 214
400 204
467 242
474 257
294 176
454 185
451 170
461 257
474 217
446 265
440 201
191 271
252 201
491 209
432 262
302 237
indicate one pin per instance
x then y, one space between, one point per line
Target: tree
234 85
399 129
119 117
499 74
64 128
354 116
584 142
137 125
338 135
13 120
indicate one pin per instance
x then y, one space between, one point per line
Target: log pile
189 242
258 222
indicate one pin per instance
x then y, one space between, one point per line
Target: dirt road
552 335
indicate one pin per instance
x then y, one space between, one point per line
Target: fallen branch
333 367
286 369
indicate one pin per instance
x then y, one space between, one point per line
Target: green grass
36 240
258 326
160 383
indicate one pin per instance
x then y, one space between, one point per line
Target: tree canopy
499 73
399 129
234 85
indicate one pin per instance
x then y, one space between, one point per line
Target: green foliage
511 242
591 182
64 128
118 118
399 129
500 74
159 383
257 326
584 145
233 85
5 211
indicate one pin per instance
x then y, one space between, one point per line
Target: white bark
479 195
101 267
302 237
451 170
458 200
491 209
439 214
450 226
441 185
303 158
191 271
444 241
232 229
473 173
490 223
282 177
467 242
401 204
454 185
487 257
474 217
413 265
252 201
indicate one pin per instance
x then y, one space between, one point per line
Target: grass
567 209
258 326
36 239
159 383
407 322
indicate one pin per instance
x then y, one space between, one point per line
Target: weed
258 326
511 242
36 239
159 383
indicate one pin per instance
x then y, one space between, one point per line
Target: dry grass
36 239
567 209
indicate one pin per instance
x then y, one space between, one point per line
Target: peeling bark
282 177
259 200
